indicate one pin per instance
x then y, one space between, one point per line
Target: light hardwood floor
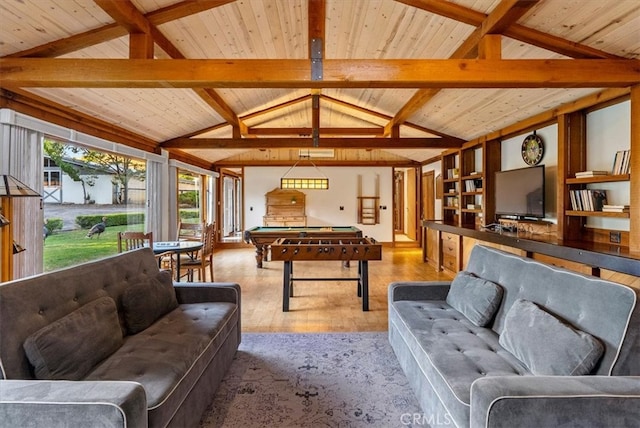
318 306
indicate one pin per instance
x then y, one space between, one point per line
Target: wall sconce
4 221
17 248
11 187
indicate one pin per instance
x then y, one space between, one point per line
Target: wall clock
532 149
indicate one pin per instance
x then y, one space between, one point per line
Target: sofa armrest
39 403
541 401
418 290
200 292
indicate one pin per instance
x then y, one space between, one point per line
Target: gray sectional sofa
512 342
113 343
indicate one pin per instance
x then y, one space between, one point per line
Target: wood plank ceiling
225 83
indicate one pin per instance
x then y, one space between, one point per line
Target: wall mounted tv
520 192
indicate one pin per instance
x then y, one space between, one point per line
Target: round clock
532 149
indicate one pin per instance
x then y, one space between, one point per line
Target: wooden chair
190 231
204 257
128 241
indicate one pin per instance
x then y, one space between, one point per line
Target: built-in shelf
599 179
596 214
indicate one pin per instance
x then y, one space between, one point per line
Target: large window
189 197
97 194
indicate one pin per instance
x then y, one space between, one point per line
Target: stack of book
584 174
615 208
621 162
453 173
588 200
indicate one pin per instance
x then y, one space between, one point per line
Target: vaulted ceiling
224 82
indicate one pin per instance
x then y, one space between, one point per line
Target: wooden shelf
596 214
599 179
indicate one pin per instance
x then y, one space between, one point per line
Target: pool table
263 236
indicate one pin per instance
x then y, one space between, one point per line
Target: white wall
609 130
436 167
323 206
511 152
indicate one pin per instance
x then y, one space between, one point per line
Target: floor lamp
10 188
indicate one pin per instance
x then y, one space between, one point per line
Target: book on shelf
621 162
615 208
582 174
588 199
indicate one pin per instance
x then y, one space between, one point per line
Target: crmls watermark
433 420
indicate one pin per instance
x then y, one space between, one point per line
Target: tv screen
520 192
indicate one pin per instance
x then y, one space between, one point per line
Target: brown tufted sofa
113 343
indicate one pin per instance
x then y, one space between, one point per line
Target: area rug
339 380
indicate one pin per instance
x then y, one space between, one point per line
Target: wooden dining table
177 247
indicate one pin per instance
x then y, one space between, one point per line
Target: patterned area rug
313 380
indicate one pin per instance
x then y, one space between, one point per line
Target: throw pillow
547 345
476 298
145 302
70 347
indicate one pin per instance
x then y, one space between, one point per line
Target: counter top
612 257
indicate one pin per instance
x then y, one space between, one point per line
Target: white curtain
158 190
21 157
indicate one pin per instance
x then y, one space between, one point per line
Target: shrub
187 214
188 198
53 224
87 221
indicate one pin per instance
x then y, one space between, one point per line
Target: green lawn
64 249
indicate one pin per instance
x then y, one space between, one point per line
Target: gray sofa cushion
476 298
547 345
450 352
169 357
70 347
146 302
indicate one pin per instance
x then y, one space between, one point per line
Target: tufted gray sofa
76 324
463 376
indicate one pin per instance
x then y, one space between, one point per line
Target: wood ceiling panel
389 30
600 24
477 112
139 110
27 24
247 29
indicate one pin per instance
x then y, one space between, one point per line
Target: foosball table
361 250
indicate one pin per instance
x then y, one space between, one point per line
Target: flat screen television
520 192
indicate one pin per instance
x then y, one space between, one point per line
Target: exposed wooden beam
327 143
323 131
393 73
276 107
126 15
234 163
518 32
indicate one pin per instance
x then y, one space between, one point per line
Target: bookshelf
467 192
572 159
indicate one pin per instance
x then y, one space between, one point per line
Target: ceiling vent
316 153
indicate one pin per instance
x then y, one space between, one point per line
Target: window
189 196
90 195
